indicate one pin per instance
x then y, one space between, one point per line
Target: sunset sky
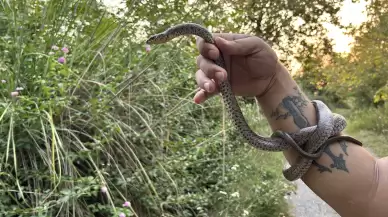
350 13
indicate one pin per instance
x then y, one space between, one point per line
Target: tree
294 27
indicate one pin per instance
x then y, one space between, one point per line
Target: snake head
157 39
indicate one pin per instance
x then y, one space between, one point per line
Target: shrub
87 131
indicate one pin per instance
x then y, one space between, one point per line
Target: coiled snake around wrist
312 138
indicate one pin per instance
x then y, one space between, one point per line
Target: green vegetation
105 128
355 85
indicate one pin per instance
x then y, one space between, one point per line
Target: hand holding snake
247 70
242 54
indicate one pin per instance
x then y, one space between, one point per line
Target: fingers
210 70
207 50
207 85
225 41
201 96
242 46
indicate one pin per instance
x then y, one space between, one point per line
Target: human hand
251 63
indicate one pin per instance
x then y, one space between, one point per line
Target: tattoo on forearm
344 147
294 106
339 162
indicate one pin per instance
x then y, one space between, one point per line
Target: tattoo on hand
294 107
339 162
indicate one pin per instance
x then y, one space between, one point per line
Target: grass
368 126
115 123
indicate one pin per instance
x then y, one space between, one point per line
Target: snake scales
314 139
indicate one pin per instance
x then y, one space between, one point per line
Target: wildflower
3 81
54 47
245 213
234 167
65 50
126 204
148 48
104 189
14 94
223 192
61 60
51 53
122 215
19 88
235 194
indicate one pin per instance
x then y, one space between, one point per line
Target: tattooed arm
347 176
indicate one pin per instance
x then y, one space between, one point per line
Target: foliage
357 80
85 132
294 28
357 76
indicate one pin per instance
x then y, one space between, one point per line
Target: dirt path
307 204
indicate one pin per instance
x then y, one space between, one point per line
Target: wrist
284 105
286 108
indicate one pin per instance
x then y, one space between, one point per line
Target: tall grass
114 123
370 126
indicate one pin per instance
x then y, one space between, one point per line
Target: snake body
311 137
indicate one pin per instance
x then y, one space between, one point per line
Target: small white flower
223 192
245 213
3 81
19 88
235 194
78 22
104 189
14 94
234 167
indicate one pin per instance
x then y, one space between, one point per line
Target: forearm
286 107
345 175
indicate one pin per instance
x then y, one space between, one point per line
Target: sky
350 13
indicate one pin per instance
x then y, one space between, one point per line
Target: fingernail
198 100
220 76
207 87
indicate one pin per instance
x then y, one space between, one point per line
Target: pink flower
104 189
54 47
148 48
126 204
14 94
122 215
65 50
61 60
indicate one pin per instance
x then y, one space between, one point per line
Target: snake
314 138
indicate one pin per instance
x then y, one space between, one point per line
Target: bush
85 131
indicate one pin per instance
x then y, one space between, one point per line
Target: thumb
242 46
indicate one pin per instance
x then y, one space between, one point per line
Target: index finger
210 51
207 50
